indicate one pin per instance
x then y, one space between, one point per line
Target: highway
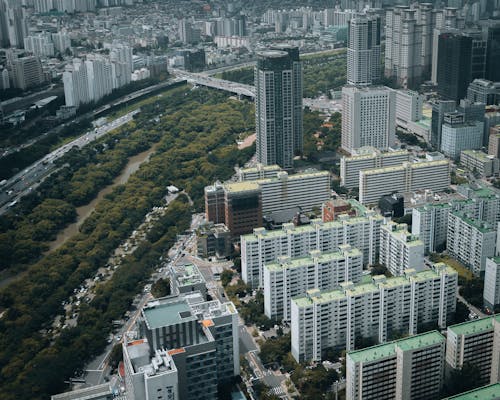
30 178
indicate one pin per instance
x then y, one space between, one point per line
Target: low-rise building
406 369
98 392
213 240
399 305
491 293
399 249
187 278
475 160
291 277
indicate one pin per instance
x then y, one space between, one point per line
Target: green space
463 271
196 134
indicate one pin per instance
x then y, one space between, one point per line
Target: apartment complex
408 177
406 369
190 345
368 158
263 246
291 277
368 117
377 310
399 249
491 293
474 342
471 241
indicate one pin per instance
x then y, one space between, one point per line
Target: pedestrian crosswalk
278 390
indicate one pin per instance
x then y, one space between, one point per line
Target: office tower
472 343
484 91
242 207
491 293
454 65
406 369
471 241
457 134
406 178
297 79
409 105
14 22
290 277
368 158
493 52
368 117
494 142
478 162
399 249
264 246
27 72
363 50
400 305
403 47
478 54
439 109
277 92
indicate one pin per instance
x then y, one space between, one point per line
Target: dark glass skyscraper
278 106
493 53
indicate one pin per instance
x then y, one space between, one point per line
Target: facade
399 249
493 52
278 85
40 45
260 171
475 160
185 279
291 277
494 142
491 293
213 240
242 207
406 369
368 117
439 109
458 135
27 72
368 159
471 241
408 107
473 343
430 224
484 91
331 209
262 246
378 310
403 46
408 177
363 50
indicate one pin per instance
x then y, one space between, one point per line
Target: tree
461 313
226 276
462 380
161 288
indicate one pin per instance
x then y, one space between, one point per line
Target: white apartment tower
406 369
491 293
403 46
399 249
377 310
368 117
363 50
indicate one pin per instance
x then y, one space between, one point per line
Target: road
472 308
27 180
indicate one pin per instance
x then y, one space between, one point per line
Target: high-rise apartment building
291 277
27 72
399 249
377 310
363 50
474 342
471 240
368 158
405 178
368 117
13 26
407 369
490 392
263 246
40 45
427 18
278 94
491 293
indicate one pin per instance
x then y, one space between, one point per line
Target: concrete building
242 207
368 117
439 109
406 369
399 249
408 177
494 142
484 164
484 91
378 310
368 158
213 240
403 46
278 85
491 293
291 277
471 241
97 392
332 209
260 171
473 342
490 392
458 134
262 246
409 106
185 279
363 50
40 45
27 72
62 41
430 224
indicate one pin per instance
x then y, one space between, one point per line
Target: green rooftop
490 392
419 341
477 224
477 154
472 327
159 315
